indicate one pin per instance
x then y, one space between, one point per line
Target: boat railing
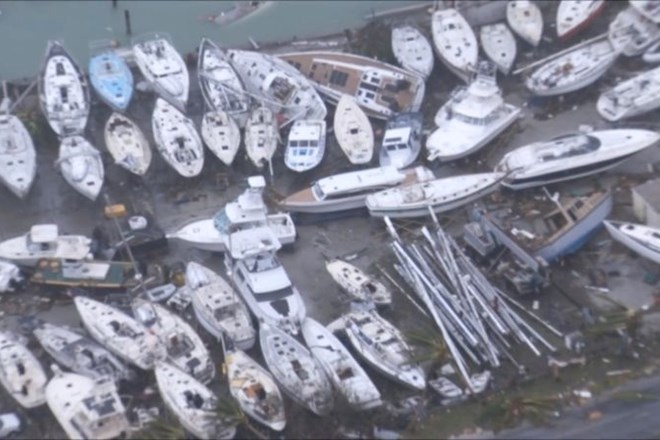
150 36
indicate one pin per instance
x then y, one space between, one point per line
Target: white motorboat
21 374
10 276
283 89
574 70
261 136
402 140
652 54
221 134
306 145
499 45
253 388
357 284
296 370
346 191
575 15
642 239
573 155
218 307
648 8
81 166
526 20
63 92
380 89
44 241
18 159
635 96
185 348
472 117
177 139
346 374
353 131
412 50
162 66
383 347
455 42
119 333
441 195
79 353
86 408
221 86
192 403
631 33
127 144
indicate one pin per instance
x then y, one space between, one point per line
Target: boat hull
630 243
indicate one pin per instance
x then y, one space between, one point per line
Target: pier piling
114 4
127 20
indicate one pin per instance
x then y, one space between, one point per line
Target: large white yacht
44 241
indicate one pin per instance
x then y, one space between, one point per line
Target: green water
26 26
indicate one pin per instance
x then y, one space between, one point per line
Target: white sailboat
574 70
472 117
526 20
441 195
296 370
575 15
631 33
346 374
44 241
455 42
353 131
185 348
218 307
499 45
261 136
221 134
642 239
21 374
18 159
81 166
163 67
412 50
177 139
635 96
306 145
192 403
127 144
86 408
119 333
357 284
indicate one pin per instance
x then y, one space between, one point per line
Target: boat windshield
318 192
261 263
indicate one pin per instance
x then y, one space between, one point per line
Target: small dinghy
18 159
81 166
631 33
306 145
261 136
86 408
500 46
63 92
357 284
526 20
253 388
382 346
446 388
296 370
412 50
652 54
21 374
441 195
221 134
110 76
642 239
342 369
218 307
192 403
221 86
79 353
402 140
44 241
185 348
575 15
353 131
160 293
635 96
177 140
127 144
455 42
119 333
574 70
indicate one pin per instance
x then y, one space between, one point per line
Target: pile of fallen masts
474 317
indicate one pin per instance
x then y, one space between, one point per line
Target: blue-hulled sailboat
111 78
